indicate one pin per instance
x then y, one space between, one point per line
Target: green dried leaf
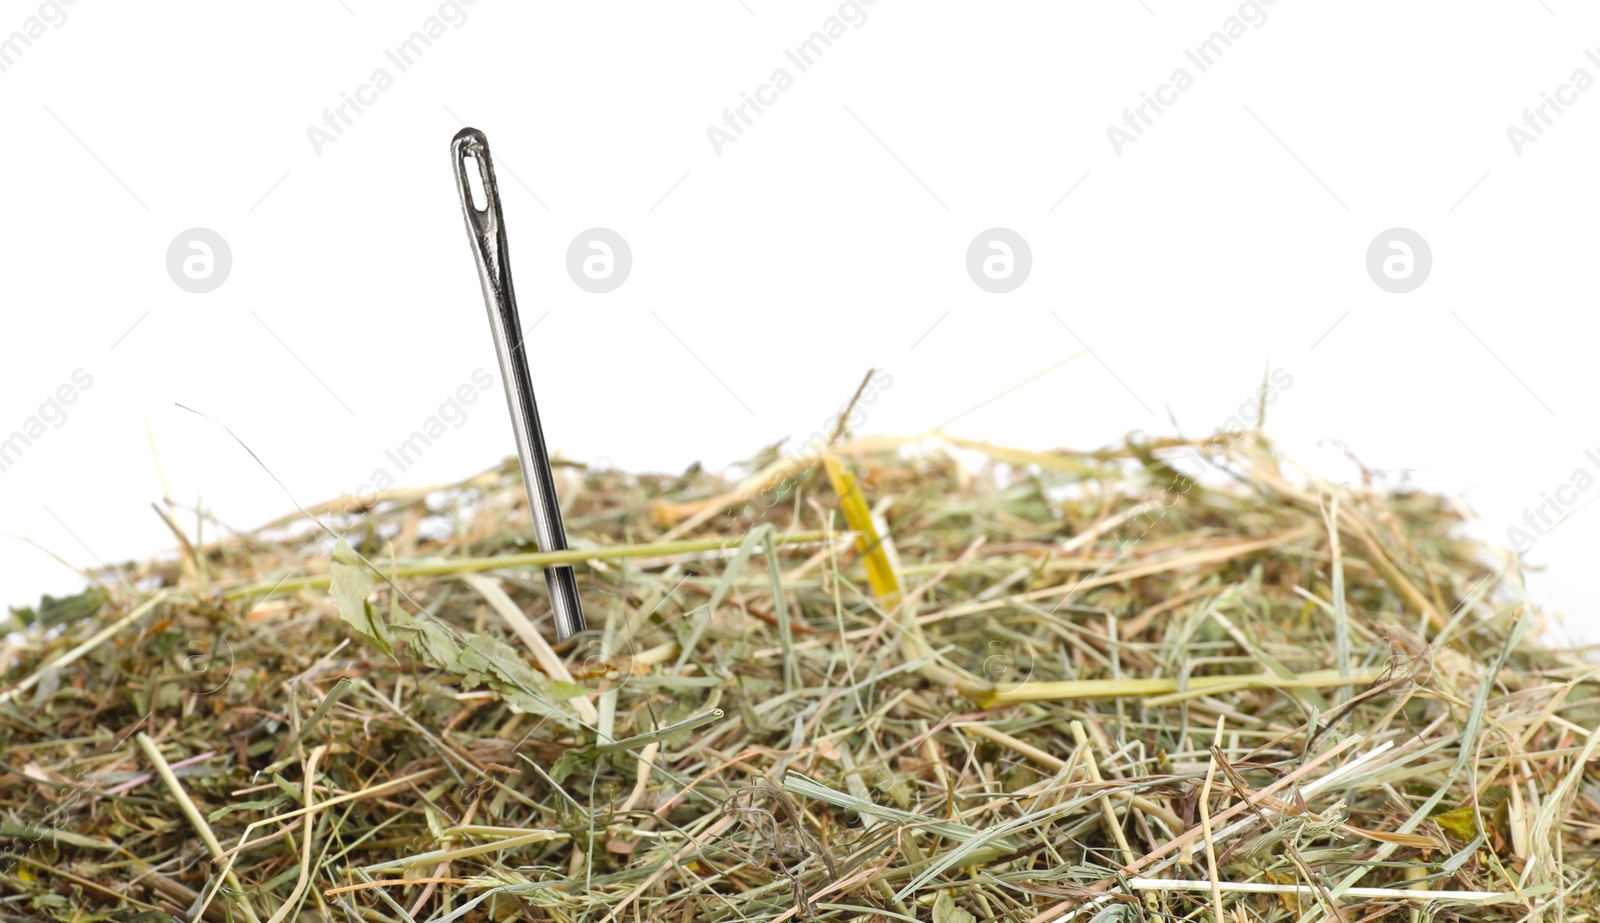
946 911
477 659
561 690
54 611
350 586
571 761
1463 821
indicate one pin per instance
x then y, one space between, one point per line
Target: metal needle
487 233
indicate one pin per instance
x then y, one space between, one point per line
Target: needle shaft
487 233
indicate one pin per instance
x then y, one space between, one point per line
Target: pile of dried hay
1172 680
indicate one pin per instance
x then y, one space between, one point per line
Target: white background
831 237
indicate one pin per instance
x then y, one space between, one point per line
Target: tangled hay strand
1169 680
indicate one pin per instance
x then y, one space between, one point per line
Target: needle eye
474 171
